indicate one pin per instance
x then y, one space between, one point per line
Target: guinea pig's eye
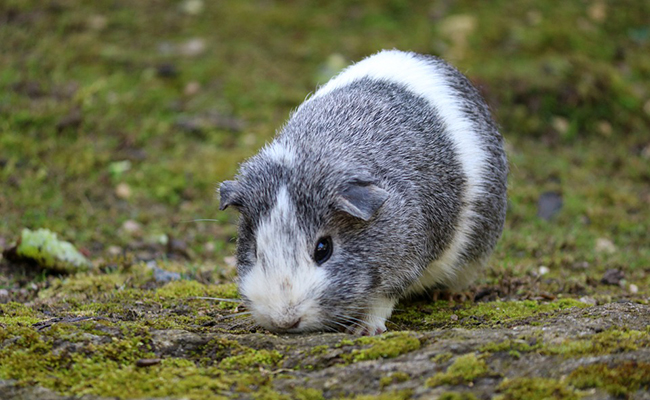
323 250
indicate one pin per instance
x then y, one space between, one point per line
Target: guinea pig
388 181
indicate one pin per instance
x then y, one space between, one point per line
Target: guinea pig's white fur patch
284 284
279 153
422 78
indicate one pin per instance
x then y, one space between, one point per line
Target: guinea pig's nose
295 325
290 324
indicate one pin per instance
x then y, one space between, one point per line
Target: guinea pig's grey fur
398 160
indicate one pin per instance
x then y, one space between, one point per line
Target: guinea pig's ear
361 198
229 193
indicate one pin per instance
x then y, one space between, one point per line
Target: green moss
388 345
30 360
14 315
269 394
498 312
534 389
319 350
107 368
507 345
457 396
395 395
395 377
345 342
606 342
514 347
231 355
442 358
181 289
464 369
250 358
480 315
620 380
301 393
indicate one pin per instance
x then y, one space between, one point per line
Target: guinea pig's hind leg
374 322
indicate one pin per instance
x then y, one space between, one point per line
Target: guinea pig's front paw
375 321
370 328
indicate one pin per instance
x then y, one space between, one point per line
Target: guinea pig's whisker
199 220
234 315
350 320
342 325
214 298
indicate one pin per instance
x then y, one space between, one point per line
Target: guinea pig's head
303 259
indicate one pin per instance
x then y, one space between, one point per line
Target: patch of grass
513 347
388 345
308 394
535 389
395 395
106 365
611 341
481 315
464 369
457 396
606 342
620 380
231 355
395 377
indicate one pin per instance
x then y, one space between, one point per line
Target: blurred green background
119 118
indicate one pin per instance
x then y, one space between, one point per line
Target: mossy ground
117 119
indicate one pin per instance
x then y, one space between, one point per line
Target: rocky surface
558 354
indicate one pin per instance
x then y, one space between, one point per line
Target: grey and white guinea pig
388 181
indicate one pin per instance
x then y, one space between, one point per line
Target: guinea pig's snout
288 324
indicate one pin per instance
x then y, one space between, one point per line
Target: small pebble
209 247
114 250
167 70
97 22
192 7
604 245
633 288
132 227
192 88
4 293
193 47
548 205
588 300
560 124
645 153
117 168
177 246
605 128
543 270
581 265
454 317
160 275
123 191
147 362
612 277
597 11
